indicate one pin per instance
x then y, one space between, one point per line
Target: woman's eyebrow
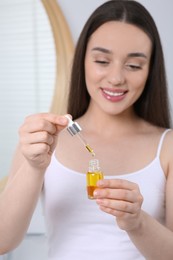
137 54
130 55
102 50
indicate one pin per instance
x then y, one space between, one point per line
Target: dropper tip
90 150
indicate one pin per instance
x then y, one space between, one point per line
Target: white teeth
114 94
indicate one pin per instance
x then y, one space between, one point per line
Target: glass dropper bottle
75 129
93 175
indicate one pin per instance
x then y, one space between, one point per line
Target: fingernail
100 183
95 193
62 120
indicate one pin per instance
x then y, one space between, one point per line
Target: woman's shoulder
152 129
165 135
166 151
168 142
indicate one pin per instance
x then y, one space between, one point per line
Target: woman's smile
113 95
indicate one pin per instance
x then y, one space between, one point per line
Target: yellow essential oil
90 150
93 175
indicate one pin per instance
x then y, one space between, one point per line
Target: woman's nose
116 75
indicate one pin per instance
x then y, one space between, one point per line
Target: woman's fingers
119 197
118 194
119 205
117 189
38 137
117 183
44 122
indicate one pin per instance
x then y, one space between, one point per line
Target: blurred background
28 76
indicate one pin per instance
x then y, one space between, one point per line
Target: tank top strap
161 141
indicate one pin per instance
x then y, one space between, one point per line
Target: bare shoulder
166 155
154 135
168 143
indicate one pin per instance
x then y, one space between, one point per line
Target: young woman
118 95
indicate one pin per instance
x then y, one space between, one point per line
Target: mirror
64 52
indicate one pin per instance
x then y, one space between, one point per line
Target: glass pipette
75 129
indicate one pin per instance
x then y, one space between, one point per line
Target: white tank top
78 230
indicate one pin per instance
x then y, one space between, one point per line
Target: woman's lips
114 95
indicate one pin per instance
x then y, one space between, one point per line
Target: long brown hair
153 103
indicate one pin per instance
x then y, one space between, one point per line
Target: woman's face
116 66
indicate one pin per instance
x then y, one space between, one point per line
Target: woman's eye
101 62
133 66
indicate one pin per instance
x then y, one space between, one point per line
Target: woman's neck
98 121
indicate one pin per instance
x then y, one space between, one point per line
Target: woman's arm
153 239
123 200
38 138
17 203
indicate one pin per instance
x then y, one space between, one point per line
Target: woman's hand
38 137
122 199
